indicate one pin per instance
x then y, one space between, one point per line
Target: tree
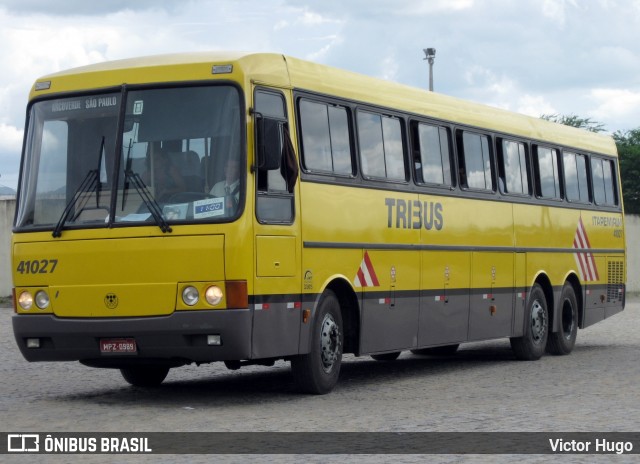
628 144
574 120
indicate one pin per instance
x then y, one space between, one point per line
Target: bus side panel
607 298
594 304
491 311
545 264
390 313
489 224
320 268
605 284
444 301
277 300
520 297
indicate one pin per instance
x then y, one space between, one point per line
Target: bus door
276 292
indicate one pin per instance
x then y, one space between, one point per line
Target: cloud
555 10
389 68
615 103
382 9
83 7
411 8
10 149
311 18
531 56
319 55
10 139
534 105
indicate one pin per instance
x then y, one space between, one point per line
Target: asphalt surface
481 389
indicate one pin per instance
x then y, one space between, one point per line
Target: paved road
483 388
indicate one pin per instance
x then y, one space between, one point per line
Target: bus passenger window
575 177
512 160
326 144
381 147
547 177
434 165
475 161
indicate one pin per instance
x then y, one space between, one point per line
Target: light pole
430 55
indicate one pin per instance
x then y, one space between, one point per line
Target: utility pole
430 55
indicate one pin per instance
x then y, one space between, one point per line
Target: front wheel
144 376
532 344
563 341
317 371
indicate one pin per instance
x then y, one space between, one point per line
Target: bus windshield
180 159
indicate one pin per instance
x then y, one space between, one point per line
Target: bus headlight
25 300
42 299
213 295
190 296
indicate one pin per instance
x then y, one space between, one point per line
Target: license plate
118 345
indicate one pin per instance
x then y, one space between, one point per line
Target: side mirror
269 144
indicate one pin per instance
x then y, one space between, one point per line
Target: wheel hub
330 342
567 319
538 322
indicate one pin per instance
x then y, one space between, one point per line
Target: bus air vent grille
615 281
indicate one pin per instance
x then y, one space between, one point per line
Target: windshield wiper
88 184
125 189
148 199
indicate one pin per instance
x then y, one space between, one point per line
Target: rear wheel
563 341
317 371
386 356
144 376
532 344
445 350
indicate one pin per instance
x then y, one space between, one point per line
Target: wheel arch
574 281
543 280
350 310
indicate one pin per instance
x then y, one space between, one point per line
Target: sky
535 57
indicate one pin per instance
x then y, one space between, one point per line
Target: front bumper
176 339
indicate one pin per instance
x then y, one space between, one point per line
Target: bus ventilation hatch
615 281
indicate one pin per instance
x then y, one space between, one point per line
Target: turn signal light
237 296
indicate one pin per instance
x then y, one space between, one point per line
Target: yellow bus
249 208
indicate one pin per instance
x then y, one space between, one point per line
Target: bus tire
563 341
317 371
532 344
445 350
386 356
144 376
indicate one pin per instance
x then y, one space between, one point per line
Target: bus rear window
604 191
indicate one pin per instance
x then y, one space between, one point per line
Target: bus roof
288 72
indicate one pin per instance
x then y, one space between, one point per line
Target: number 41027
37 266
